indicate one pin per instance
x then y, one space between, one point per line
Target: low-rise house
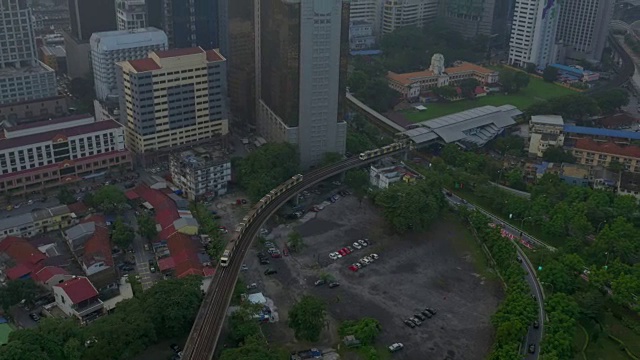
37 221
77 297
545 131
383 177
19 258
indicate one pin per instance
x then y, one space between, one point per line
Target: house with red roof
51 275
77 297
19 257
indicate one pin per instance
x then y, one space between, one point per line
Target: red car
285 251
353 268
346 251
342 252
276 255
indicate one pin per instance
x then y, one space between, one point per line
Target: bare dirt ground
433 269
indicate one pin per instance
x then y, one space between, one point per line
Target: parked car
419 317
416 321
396 347
426 314
374 256
244 267
176 349
319 282
270 271
333 285
334 256
35 317
532 348
264 261
432 311
357 245
363 242
409 323
354 268
252 286
152 266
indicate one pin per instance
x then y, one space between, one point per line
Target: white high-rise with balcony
131 14
533 33
400 13
110 47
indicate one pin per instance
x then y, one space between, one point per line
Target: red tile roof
208 271
98 247
166 263
64 133
142 65
78 208
18 271
184 252
214 55
179 52
40 123
21 251
165 209
131 195
608 148
78 289
46 273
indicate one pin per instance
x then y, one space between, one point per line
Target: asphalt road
147 279
534 336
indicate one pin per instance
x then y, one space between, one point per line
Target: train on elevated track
225 259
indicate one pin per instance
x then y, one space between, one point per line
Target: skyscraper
469 17
89 16
533 33
400 13
301 51
131 14
583 27
22 76
187 23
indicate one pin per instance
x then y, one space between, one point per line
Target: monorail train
385 149
225 259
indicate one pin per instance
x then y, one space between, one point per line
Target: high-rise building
583 27
131 14
187 23
172 98
400 13
22 76
89 16
301 50
533 33
366 11
469 17
111 47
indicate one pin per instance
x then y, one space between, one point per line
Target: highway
534 336
206 329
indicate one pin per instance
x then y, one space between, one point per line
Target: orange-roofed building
593 153
20 258
411 85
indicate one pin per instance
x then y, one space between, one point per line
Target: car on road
35 317
146 247
357 245
409 323
363 242
416 321
536 324
532 348
285 251
244 267
519 259
333 285
419 317
319 282
396 347
432 311
175 348
152 266
270 271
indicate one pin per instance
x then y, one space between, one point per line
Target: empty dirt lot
433 269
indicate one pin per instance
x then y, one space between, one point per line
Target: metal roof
602 132
548 119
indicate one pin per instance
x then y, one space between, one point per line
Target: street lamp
606 263
599 225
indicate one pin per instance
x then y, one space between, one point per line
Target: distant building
361 35
629 184
545 131
622 137
583 28
23 112
410 85
368 11
200 173
401 13
576 175
620 121
383 177
594 153
46 154
533 33
78 56
131 14
54 57
187 23
178 77
571 74
91 16
37 222
78 298
111 47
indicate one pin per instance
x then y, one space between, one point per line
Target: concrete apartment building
545 131
23 112
37 222
583 28
46 154
200 172
365 22
131 14
533 33
400 13
172 98
22 76
301 74
111 47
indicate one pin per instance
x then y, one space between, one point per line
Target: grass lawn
5 330
536 91
604 348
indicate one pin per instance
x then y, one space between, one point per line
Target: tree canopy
573 106
17 290
512 81
611 101
108 198
267 167
122 234
147 226
365 330
65 196
307 317
557 154
550 74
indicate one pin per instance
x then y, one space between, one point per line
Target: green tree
358 142
550 74
266 168
16 291
512 81
510 144
121 234
365 330
108 198
147 227
612 100
446 92
468 87
411 207
530 68
295 241
558 155
307 318
254 348
65 196
357 81
331 158
242 323
358 181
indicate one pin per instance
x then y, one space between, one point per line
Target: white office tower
22 76
131 14
111 47
533 33
583 28
367 11
400 13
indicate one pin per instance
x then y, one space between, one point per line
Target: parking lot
434 269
